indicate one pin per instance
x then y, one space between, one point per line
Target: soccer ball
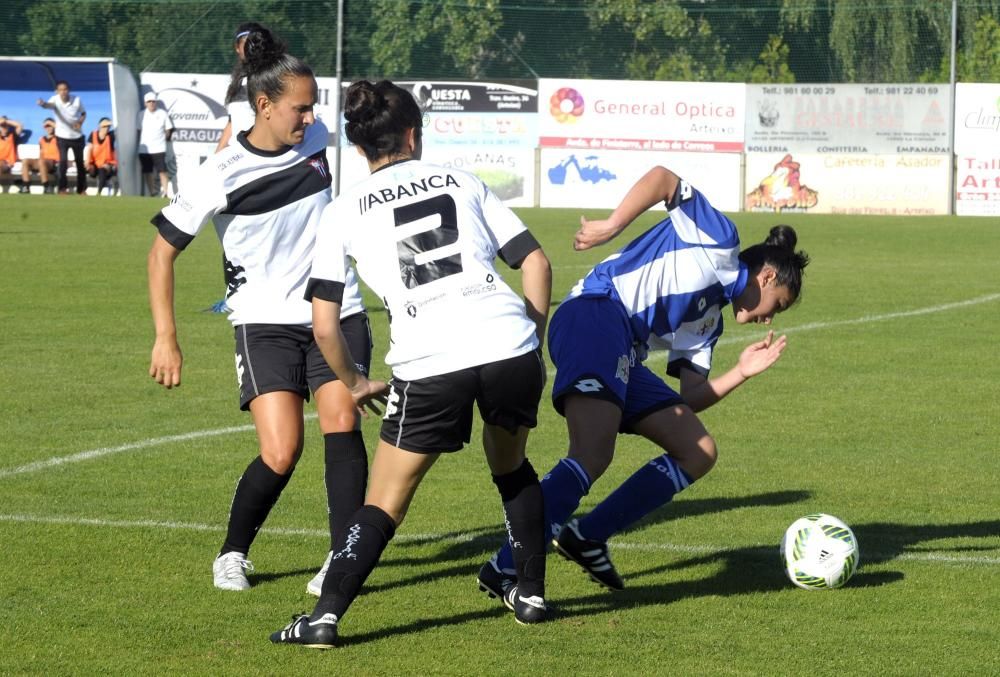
819 552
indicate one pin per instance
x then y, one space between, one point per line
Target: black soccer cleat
493 581
592 556
527 610
318 634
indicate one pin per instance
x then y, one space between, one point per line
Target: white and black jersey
241 114
424 238
266 207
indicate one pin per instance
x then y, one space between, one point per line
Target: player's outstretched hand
759 356
165 363
593 233
368 395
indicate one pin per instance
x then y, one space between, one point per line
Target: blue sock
562 489
653 485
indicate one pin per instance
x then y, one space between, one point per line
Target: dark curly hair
778 251
378 116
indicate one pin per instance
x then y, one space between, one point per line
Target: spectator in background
241 115
155 128
102 161
46 163
10 133
69 116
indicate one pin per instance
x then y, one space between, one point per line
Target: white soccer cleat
230 571
315 586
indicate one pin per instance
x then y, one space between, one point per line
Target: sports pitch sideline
883 411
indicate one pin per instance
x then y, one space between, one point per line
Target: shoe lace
236 565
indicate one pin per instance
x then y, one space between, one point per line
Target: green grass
883 411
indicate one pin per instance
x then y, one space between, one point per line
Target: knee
280 458
340 421
699 459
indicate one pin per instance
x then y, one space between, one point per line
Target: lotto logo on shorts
621 373
588 385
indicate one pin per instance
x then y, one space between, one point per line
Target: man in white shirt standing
69 114
155 128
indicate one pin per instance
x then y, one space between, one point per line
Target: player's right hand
594 233
165 363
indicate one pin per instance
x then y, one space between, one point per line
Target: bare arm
536 279
166 361
701 393
657 185
227 132
330 339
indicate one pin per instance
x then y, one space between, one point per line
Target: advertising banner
509 172
848 119
977 149
483 128
824 183
637 115
600 179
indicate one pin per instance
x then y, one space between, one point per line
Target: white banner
852 119
977 149
635 115
600 179
847 184
509 172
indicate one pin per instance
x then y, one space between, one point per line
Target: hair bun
261 50
782 236
362 102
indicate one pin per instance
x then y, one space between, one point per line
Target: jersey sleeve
184 217
330 264
698 222
514 240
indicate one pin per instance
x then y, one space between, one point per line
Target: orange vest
48 149
8 147
102 152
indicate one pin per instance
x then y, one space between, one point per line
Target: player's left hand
368 395
759 356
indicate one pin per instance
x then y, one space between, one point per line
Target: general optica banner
977 149
600 179
854 119
636 115
824 183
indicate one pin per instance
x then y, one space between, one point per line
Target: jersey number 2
440 208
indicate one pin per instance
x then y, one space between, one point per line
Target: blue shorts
591 344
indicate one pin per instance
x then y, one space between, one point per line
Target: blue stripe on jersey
661 282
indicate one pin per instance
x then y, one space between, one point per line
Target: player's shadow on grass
480 543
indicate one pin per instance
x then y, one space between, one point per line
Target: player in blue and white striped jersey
665 289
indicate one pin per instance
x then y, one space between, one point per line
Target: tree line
696 40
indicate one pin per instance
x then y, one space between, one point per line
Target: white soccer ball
820 552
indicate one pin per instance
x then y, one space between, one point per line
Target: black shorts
272 357
153 161
434 414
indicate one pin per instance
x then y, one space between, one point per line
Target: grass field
883 411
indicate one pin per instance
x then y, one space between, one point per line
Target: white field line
131 446
198 434
867 319
455 538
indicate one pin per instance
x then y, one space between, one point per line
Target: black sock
368 532
346 475
524 509
257 492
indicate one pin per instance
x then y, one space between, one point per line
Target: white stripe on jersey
265 208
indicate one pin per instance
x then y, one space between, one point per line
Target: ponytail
778 251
